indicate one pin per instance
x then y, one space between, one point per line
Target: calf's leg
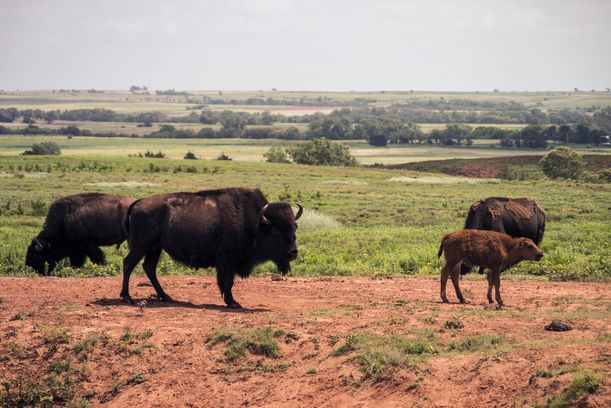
150 267
497 288
456 282
77 258
445 274
490 286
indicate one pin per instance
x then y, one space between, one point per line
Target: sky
311 45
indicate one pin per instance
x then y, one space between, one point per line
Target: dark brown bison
487 249
516 217
232 229
76 226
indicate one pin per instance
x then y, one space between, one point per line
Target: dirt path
403 348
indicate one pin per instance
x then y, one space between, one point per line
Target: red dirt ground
181 368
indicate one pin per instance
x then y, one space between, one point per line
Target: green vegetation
482 342
43 148
357 221
586 381
258 341
562 162
322 152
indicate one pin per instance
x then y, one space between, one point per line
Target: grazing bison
232 229
75 227
488 249
517 217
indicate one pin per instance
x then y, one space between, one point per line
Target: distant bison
517 217
232 229
487 249
75 227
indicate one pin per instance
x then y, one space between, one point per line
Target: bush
322 152
276 155
223 156
562 162
44 148
190 156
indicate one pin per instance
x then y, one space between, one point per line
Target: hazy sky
306 45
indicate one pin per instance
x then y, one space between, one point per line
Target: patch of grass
84 347
480 342
453 324
136 378
258 341
21 316
585 382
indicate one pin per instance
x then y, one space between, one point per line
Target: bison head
528 250
41 255
276 237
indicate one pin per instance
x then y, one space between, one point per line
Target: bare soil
168 360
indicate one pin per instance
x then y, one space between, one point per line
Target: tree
44 148
322 152
190 156
562 162
276 155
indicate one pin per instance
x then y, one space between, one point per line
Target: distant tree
223 156
44 148
322 152
190 156
276 155
457 132
562 162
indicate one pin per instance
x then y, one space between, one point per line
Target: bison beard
231 229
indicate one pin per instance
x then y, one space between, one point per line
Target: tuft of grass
453 324
480 342
258 341
585 382
84 347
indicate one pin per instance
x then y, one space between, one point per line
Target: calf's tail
126 219
440 250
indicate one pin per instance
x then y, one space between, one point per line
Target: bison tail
440 250
126 219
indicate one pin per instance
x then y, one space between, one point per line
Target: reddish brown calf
488 249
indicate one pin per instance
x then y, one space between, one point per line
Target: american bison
232 229
517 217
488 249
76 226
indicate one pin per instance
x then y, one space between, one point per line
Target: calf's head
276 239
528 250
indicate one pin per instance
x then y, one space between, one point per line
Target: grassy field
252 150
358 221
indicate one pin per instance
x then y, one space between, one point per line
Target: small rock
558 326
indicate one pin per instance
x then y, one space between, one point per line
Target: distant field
126 102
250 149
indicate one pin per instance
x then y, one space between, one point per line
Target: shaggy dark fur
517 217
232 229
76 226
489 249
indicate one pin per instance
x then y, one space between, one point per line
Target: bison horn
262 217
39 244
299 212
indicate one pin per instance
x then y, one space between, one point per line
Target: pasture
357 321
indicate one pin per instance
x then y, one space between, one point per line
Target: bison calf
487 249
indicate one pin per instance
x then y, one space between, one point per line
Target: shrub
223 156
44 148
562 162
322 152
276 155
190 156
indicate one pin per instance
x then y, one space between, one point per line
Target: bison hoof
464 301
127 299
234 305
499 306
445 300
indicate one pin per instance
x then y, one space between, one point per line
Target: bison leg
224 278
129 263
96 255
490 286
456 282
496 275
77 259
445 274
150 267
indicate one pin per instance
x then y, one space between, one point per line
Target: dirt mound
300 342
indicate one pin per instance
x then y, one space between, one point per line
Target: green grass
356 221
258 341
585 382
